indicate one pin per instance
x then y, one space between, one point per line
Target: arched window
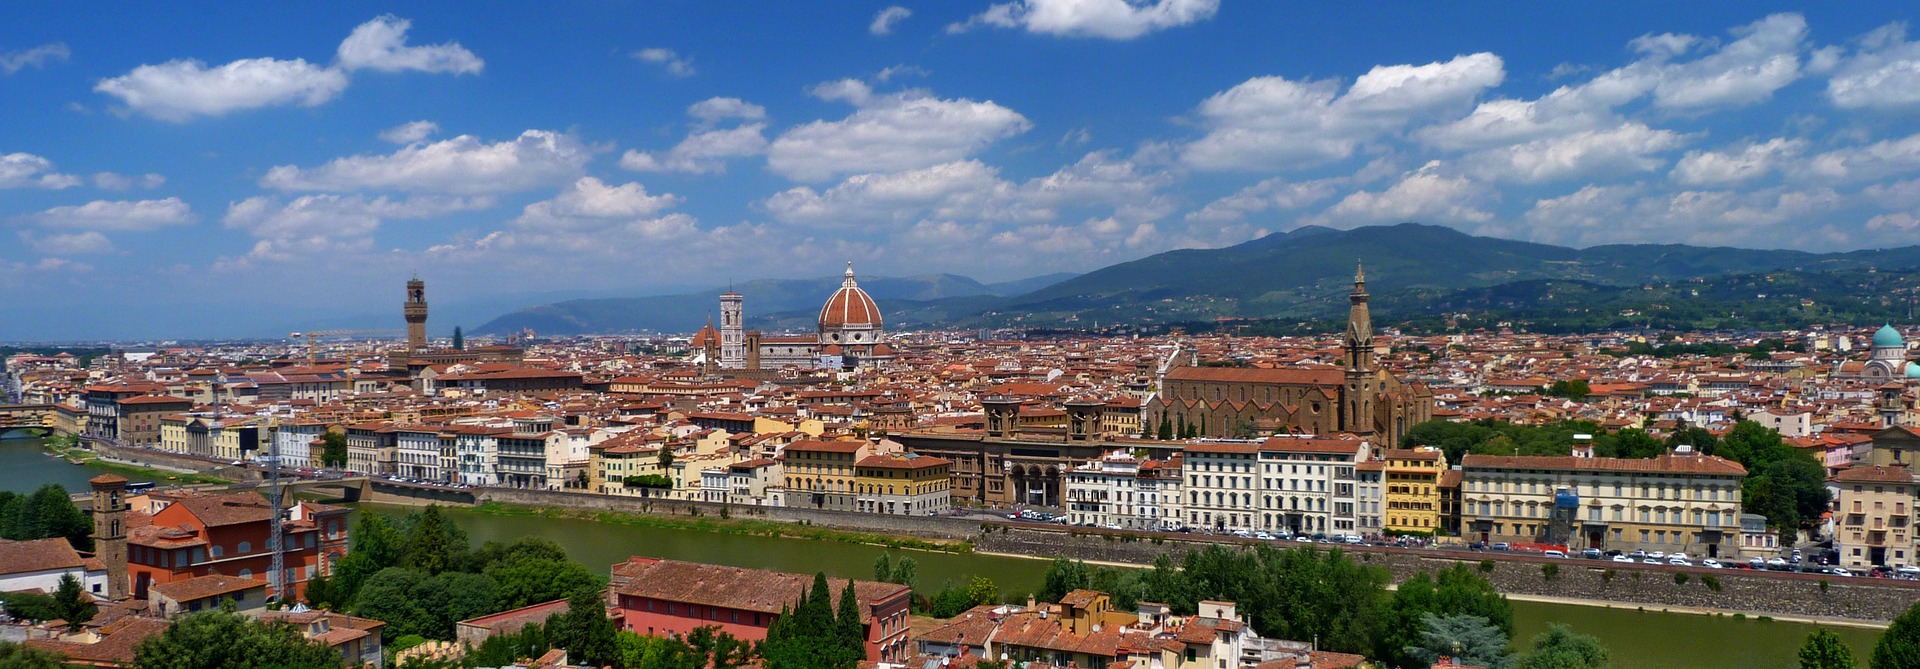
245 546
215 550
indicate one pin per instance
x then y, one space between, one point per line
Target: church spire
1359 324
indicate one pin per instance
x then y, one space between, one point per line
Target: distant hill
772 304
1414 271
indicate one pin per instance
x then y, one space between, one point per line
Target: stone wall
163 459
935 527
1649 586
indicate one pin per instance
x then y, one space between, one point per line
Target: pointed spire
1359 273
849 282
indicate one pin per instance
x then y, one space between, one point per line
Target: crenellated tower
415 310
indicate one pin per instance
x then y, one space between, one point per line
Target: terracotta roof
217 510
21 557
202 587
1876 474
1669 463
816 445
1221 447
736 587
849 306
1289 376
1310 445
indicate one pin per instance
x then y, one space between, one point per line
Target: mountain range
1414 272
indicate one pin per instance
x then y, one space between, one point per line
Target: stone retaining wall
933 527
1623 584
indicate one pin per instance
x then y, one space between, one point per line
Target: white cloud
1271 122
36 57
25 170
891 132
969 190
179 90
1636 213
463 165
883 21
381 44
1876 160
1718 168
113 181
1883 74
410 132
90 242
674 64
1424 195
1109 19
1765 58
705 150
714 110
116 215
590 202
1587 153
328 222
1276 194
1899 221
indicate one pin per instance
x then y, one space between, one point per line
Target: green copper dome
1913 371
1887 336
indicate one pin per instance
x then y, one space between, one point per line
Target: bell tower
733 332
415 310
110 530
1356 407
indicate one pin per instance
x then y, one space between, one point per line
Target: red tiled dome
849 307
707 336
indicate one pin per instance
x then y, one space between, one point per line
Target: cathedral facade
1359 398
850 335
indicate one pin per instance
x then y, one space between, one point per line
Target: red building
660 597
227 534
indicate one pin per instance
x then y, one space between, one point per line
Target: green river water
1637 640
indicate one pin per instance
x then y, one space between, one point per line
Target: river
24 466
1637 640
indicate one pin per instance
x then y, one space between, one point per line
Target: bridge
362 489
26 421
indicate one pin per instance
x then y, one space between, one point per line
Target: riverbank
725 524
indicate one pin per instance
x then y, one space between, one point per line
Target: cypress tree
853 635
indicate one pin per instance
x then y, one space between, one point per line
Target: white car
1658 555
1682 556
1841 571
1679 562
1263 536
1711 563
1776 563
1623 558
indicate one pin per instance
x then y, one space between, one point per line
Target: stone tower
733 333
110 530
1356 412
416 312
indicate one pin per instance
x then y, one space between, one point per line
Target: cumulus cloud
1637 213
90 242
1764 59
1109 19
460 165
1873 161
675 64
328 222
1272 122
408 133
1628 148
179 90
705 150
883 21
36 57
1426 195
1723 168
116 215
1883 74
890 132
973 191
114 181
381 44
1275 194
25 170
590 201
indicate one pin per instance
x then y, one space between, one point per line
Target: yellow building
820 474
1874 519
611 462
1678 502
902 484
1411 478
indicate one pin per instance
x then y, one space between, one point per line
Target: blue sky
185 171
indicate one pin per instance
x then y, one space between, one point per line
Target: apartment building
820 474
1122 491
1873 521
1307 484
902 484
1681 501
1222 484
1411 478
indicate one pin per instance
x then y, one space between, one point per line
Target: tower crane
311 335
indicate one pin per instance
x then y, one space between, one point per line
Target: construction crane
311 335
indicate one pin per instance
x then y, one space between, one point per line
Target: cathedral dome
707 336
849 308
1887 336
1913 370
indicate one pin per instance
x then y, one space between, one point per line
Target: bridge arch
25 433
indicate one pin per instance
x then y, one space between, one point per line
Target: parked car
1711 563
1841 571
1638 555
1907 570
1679 561
1776 563
1650 561
1502 546
1591 554
1623 558
1554 554
1658 555
1757 563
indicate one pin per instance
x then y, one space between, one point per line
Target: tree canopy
222 639
1899 646
1561 648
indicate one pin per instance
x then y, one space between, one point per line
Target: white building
417 454
477 449
1121 492
39 564
1307 484
1222 484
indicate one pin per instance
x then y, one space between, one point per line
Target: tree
16 656
807 635
1063 576
982 590
1165 433
1453 591
1573 389
847 618
333 449
1469 640
1561 648
585 631
1825 650
883 568
389 596
1899 646
45 513
71 600
1632 442
716 649
666 459
531 581
226 640
430 545
459 339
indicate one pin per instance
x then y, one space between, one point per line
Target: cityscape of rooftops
1018 334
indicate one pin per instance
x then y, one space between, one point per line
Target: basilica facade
1359 398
